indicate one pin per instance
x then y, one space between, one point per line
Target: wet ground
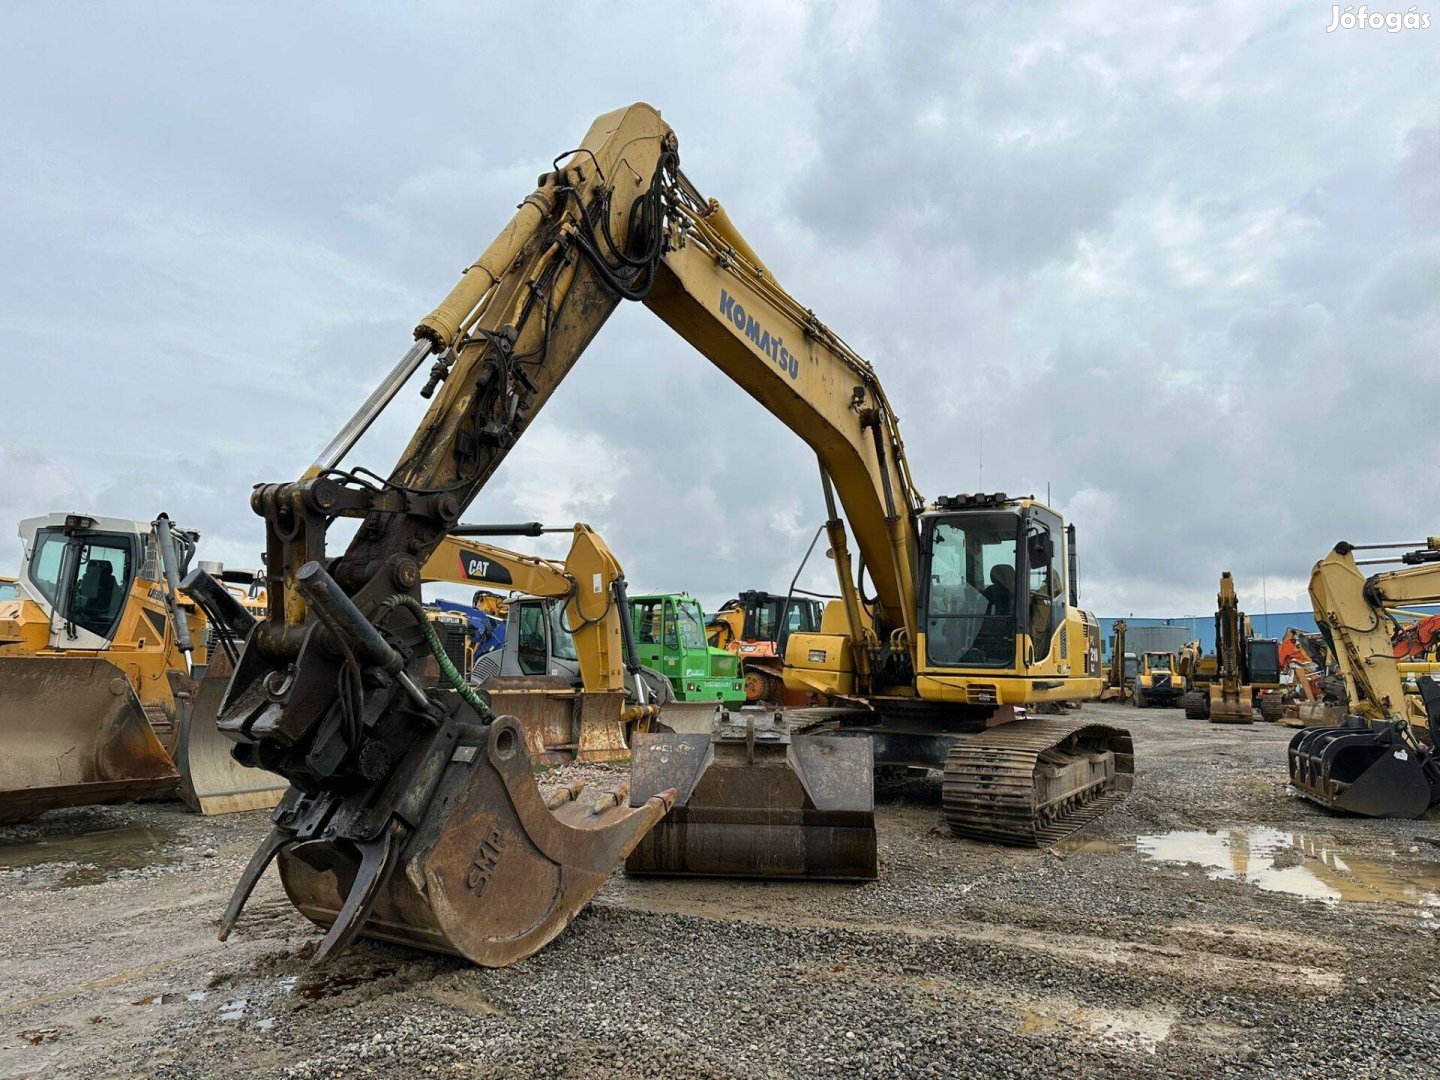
1213 924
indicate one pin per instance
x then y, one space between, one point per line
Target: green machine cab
670 639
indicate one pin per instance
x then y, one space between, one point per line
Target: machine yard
1213 923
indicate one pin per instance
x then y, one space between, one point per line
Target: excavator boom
328 689
1381 761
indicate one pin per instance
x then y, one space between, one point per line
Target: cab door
85 577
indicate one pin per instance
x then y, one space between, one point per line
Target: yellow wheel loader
98 696
1381 760
1158 680
413 816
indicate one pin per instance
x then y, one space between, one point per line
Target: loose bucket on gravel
1364 767
73 733
754 801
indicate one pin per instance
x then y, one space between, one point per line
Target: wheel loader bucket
690 717
1364 768
73 733
211 780
757 803
488 870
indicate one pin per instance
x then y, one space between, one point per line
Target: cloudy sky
1178 262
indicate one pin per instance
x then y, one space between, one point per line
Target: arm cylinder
170 561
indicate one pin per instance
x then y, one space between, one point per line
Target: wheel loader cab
84 574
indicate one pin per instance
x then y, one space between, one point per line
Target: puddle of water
266 1024
91 858
234 1010
1298 865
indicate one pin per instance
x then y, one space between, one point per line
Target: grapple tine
1364 768
267 851
377 863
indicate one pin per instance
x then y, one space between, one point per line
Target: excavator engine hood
755 801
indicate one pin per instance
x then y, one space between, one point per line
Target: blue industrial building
1272 625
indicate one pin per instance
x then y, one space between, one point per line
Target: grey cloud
1178 262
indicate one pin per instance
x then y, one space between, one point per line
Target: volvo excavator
1381 760
413 815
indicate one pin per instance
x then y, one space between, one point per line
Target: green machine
670 638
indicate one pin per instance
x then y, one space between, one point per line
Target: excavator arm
386 775
589 580
1382 760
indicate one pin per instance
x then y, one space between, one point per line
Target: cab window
101 583
648 615
530 647
45 563
1044 586
970 616
692 624
671 638
562 641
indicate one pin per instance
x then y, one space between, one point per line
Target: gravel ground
1114 955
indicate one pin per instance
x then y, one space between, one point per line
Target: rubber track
989 786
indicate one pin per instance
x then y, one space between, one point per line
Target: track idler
1365 767
484 868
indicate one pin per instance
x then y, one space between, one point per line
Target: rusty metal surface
211 780
490 873
758 803
73 733
1031 782
562 723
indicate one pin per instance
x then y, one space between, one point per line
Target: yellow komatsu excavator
101 664
595 721
1381 761
413 815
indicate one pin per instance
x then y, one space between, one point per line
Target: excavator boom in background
580 609
412 814
1381 760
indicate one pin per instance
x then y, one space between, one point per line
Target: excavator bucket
757 802
73 733
484 867
1365 768
211 780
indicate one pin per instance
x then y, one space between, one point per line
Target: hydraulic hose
448 670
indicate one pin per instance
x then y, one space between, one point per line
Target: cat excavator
413 815
582 600
1380 761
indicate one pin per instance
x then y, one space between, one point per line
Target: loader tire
1195 705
